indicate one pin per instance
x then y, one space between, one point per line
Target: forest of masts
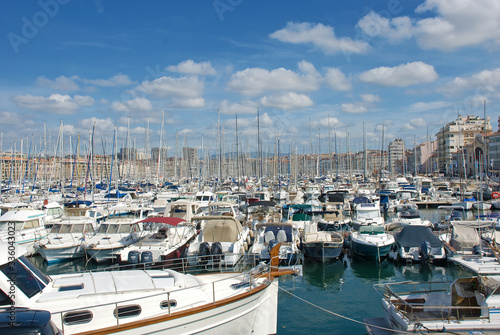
76 162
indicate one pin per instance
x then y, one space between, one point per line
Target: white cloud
246 107
418 122
187 87
101 124
287 100
116 80
61 83
133 105
395 29
190 67
10 118
458 24
55 103
188 102
486 82
401 75
319 35
455 24
370 98
426 106
353 108
253 81
414 123
337 80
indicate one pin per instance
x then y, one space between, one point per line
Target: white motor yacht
144 302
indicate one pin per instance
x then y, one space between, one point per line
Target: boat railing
191 264
415 309
169 302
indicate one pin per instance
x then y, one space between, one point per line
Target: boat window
368 214
45 279
113 228
55 211
125 229
103 228
4 299
77 228
168 303
71 288
32 224
65 229
78 317
55 228
24 279
127 311
89 228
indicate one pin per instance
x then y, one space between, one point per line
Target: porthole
168 303
127 311
77 318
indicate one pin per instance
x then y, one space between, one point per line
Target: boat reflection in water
326 275
368 269
67 266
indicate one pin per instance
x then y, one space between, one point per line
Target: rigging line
341 316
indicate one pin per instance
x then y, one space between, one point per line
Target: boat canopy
221 229
173 221
413 236
264 203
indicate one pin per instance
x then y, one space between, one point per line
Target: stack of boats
227 229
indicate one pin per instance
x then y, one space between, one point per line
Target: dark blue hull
323 250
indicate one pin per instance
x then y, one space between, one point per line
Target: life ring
45 202
495 195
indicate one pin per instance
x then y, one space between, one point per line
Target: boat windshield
26 276
77 228
368 214
113 228
411 214
178 211
125 228
103 228
65 229
18 225
55 228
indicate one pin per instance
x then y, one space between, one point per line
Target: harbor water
332 297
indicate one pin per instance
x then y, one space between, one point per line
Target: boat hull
322 250
52 255
254 313
370 250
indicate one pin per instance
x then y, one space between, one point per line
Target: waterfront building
456 135
396 151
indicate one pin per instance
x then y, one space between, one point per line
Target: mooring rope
345 317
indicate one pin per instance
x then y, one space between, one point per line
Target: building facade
456 135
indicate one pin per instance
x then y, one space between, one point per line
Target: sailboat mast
365 163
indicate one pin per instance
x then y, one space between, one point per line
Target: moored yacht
467 305
367 215
145 302
24 227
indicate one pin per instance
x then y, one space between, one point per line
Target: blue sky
408 65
